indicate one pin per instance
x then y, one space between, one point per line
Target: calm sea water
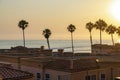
79 45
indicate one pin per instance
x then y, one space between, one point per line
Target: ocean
79 45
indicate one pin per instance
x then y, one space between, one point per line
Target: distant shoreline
79 45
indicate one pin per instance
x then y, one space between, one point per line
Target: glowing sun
115 9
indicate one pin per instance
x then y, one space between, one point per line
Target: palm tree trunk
72 42
48 43
112 39
23 38
91 41
100 37
100 40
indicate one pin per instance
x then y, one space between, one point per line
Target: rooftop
66 64
8 73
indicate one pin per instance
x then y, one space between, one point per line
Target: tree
47 33
111 30
23 24
90 27
100 25
71 28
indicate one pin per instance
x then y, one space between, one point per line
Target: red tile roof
13 74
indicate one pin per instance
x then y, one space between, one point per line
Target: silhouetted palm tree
47 33
111 30
100 25
90 27
23 24
71 28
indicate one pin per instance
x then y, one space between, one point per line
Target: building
106 49
66 68
48 65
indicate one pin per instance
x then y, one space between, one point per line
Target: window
38 76
87 77
102 77
93 77
58 77
90 77
47 76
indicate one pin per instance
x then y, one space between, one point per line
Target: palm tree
100 25
111 30
71 28
47 33
90 27
23 24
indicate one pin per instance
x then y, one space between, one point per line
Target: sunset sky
55 15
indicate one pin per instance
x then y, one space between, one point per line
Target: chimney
60 51
42 48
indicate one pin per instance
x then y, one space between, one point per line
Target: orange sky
55 15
